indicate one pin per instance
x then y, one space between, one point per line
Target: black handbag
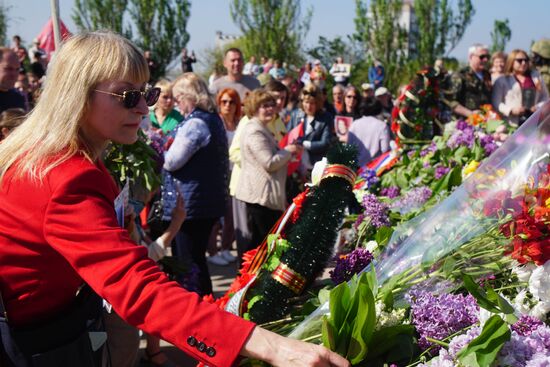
62 341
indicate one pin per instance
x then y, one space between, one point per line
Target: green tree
161 27
377 28
158 25
272 28
327 50
3 24
500 35
90 15
440 27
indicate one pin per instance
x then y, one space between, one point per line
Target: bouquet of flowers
470 275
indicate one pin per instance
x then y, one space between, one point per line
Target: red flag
46 37
290 138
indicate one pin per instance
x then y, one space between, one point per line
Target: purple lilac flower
438 317
432 148
391 192
441 171
375 211
410 153
426 164
539 360
488 144
463 137
526 325
370 178
349 265
520 350
413 200
462 125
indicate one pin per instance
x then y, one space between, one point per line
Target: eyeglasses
483 57
266 106
130 98
227 101
521 61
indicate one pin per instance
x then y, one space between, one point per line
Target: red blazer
59 233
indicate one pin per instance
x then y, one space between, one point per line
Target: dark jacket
321 137
203 180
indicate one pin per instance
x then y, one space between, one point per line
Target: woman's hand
282 352
294 148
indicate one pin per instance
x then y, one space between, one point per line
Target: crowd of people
233 153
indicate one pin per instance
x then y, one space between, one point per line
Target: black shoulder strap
3 312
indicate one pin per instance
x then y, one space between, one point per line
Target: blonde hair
311 91
192 87
165 85
52 133
255 100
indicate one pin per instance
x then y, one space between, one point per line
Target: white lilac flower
371 246
539 284
523 272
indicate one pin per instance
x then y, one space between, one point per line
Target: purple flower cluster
370 177
526 325
462 137
412 200
462 125
439 316
432 148
441 171
349 265
391 192
376 211
531 350
488 144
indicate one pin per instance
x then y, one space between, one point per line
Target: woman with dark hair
352 100
370 135
521 91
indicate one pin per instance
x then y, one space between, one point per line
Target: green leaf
328 334
383 235
497 299
339 301
482 351
479 294
461 153
385 339
363 323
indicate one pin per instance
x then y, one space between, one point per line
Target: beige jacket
507 94
263 168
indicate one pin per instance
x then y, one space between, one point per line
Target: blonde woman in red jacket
58 228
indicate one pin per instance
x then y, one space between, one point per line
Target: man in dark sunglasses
471 86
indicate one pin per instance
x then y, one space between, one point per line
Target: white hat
381 91
367 86
317 62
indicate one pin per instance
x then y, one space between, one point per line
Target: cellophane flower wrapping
508 194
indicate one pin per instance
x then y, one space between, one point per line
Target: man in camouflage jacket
471 86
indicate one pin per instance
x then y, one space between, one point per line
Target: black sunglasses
130 98
521 61
484 57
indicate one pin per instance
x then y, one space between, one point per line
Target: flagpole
55 21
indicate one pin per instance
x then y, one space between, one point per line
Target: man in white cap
383 95
367 90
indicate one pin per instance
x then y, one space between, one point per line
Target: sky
529 21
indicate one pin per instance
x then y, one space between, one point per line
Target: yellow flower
470 168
